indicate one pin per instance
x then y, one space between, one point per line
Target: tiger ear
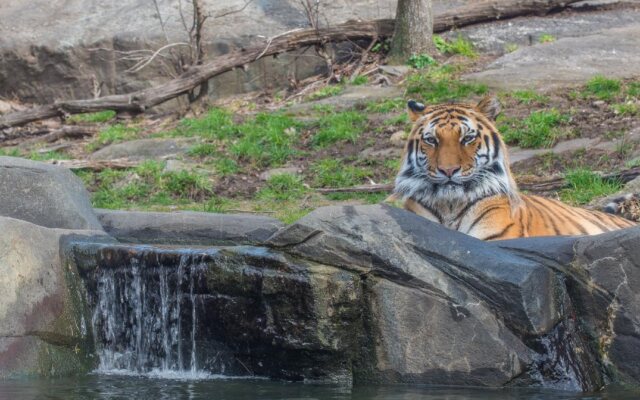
415 110
489 106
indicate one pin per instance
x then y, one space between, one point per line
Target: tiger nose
449 171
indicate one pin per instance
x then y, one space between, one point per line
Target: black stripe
486 142
464 211
484 213
543 214
432 211
496 143
498 235
586 215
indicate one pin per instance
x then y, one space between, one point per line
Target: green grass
539 129
97 117
49 155
366 198
585 186
283 187
217 123
203 150
113 134
10 152
327 91
385 106
267 140
439 85
226 166
510 47
460 46
421 61
144 186
626 109
529 96
546 38
360 80
339 127
602 88
334 173
633 89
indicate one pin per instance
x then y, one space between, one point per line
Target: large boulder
43 321
45 195
187 227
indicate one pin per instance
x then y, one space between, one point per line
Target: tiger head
454 154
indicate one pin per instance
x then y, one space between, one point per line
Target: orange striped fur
455 171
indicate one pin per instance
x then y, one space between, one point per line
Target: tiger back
455 171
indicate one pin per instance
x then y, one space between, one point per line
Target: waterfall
145 317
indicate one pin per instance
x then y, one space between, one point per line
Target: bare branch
144 62
226 13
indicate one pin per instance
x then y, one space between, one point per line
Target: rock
391 152
65 34
176 166
187 228
567 61
607 279
5 107
278 171
399 139
43 326
499 37
45 195
353 96
395 70
143 149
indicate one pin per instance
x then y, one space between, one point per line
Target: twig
246 4
361 63
140 65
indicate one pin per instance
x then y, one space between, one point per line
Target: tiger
455 171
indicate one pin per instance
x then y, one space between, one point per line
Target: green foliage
367 198
381 47
602 88
335 173
267 140
97 117
10 152
539 129
399 119
421 61
626 108
339 127
226 166
203 150
458 46
633 89
217 123
283 187
546 38
529 96
385 106
145 185
49 155
585 186
439 85
510 47
113 134
326 91
360 80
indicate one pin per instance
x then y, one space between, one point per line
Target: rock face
143 149
187 228
375 294
43 325
612 53
45 195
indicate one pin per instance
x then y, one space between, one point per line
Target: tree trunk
413 30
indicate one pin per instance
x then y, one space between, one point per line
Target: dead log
95 165
140 101
66 132
528 184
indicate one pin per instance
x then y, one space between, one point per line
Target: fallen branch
140 101
95 165
66 132
537 186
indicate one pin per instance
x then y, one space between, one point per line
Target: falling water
138 321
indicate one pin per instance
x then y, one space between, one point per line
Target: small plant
203 150
267 140
510 47
546 38
95 118
624 148
633 89
626 109
217 123
10 152
360 80
339 127
381 47
113 134
421 61
529 96
539 129
283 187
458 46
327 91
602 88
49 155
439 86
386 106
334 173
585 186
226 166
